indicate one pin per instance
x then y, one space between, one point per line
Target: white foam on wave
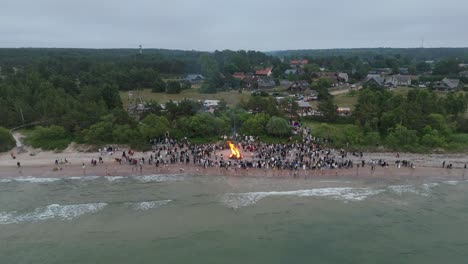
423 190
83 178
400 189
148 205
452 182
114 178
159 178
238 200
53 211
36 180
5 180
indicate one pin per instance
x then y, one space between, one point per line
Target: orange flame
234 151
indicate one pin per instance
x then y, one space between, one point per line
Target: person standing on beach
84 169
18 164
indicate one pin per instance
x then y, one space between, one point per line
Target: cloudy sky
227 24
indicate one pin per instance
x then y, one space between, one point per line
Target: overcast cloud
242 24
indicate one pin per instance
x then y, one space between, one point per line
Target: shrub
7 141
49 138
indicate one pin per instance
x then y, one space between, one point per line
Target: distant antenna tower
141 49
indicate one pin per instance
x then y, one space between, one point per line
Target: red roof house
264 72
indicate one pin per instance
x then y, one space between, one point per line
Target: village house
381 71
448 85
398 80
265 83
250 82
299 86
374 80
298 63
194 78
343 77
211 103
332 76
290 72
285 84
265 72
239 75
463 74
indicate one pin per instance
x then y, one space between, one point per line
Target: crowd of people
310 153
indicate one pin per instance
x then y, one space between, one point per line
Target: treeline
420 54
419 121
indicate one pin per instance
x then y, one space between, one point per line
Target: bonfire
235 154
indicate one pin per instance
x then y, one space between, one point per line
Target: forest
73 95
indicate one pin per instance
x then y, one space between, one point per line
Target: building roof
298 62
239 75
402 78
303 104
192 77
343 75
266 82
290 71
265 72
375 77
451 83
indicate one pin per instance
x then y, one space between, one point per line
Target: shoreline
380 174
41 164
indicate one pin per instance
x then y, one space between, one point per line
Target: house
398 80
463 74
343 111
404 71
265 72
194 78
332 76
313 95
290 71
343 77
211 103
239 75
266 83
374 80
299 86
448 85
250 82
285 83
298 63
381 71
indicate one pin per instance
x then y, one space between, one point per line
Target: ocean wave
148 205
83 178
114 178
36 179
423 190
159 178
452 182
238 200
53 211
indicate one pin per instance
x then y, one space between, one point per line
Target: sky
209 25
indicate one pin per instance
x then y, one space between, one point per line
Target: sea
207 219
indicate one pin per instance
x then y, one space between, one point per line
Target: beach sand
42 164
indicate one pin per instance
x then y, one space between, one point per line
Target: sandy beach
42 164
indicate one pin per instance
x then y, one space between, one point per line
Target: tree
7 141
173 87
328 109
401 137
278 126
48 138
255 125
159 86
154 126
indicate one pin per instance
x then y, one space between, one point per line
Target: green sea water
184 219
